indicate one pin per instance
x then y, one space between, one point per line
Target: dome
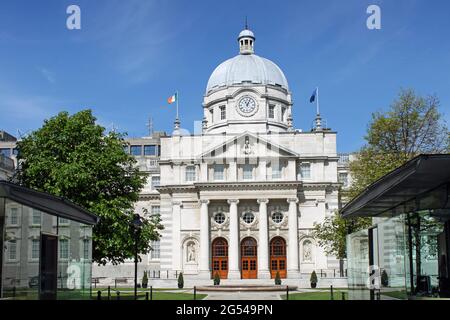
247 69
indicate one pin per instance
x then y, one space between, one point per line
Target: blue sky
131 55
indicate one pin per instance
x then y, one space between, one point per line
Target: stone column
176 236
205 259
233 246
292 257
263 246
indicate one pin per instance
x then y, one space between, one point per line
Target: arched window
248 247
220 248
277 247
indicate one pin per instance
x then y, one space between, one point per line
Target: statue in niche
307 251
191 252
247 149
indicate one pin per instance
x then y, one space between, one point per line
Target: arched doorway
249 258
278 257
220 258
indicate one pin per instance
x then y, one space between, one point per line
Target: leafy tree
313 279
73 157
331 233
411 126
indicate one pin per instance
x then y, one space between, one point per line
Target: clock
247 106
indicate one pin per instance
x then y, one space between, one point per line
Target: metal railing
344 158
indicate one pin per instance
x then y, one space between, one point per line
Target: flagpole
177 97
317 102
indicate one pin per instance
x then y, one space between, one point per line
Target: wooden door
249 259
278 257
220 258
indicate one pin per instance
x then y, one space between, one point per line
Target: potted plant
313 279
277 278
145 280
384 279
180 281
216 279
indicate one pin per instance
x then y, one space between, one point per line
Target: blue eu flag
313 96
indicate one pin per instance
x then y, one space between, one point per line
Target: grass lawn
157 295
315 295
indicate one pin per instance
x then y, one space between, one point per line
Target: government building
240 197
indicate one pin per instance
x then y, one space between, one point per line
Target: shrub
277 278
313 279
384 279
180 281
145 280
216 279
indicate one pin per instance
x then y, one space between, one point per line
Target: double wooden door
249 259
278 257
220 258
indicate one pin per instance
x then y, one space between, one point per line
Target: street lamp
137 225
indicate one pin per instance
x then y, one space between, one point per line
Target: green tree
73 157
411 126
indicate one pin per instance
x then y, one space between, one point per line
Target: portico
243 228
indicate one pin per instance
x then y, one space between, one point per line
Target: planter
313 285
144 285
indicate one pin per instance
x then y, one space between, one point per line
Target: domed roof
246 33
248 68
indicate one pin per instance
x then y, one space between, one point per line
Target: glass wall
24 228
357 265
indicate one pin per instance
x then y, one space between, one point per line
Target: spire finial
246 24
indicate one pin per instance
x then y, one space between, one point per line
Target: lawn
315 295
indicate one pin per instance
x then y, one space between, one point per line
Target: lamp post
136 224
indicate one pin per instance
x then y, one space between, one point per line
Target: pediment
248 145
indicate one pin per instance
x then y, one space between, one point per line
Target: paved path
242 295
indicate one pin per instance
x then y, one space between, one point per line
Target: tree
412 125
332 232
73 157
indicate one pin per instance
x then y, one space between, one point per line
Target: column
233 246
205 259
263 245
292 257
176 236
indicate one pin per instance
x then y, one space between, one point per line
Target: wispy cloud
47 74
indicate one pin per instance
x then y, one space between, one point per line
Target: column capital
292 200
177 203
262 200
203 201
231 201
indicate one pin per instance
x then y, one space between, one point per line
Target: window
15 151
155 210
271 111
36 218
219 218
283 114
212 115
12 250
63 221
305 170
219 172
155 181
86 244
248 217
276 170
63 249
150 150
190 173
6 152
248 171
155 253
136 150
14 217
343 178
277 217
223 113
126 148
35 244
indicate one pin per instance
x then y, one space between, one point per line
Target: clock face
247 105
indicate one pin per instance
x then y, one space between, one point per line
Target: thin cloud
47 74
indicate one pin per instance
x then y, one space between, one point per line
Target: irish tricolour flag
172 99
